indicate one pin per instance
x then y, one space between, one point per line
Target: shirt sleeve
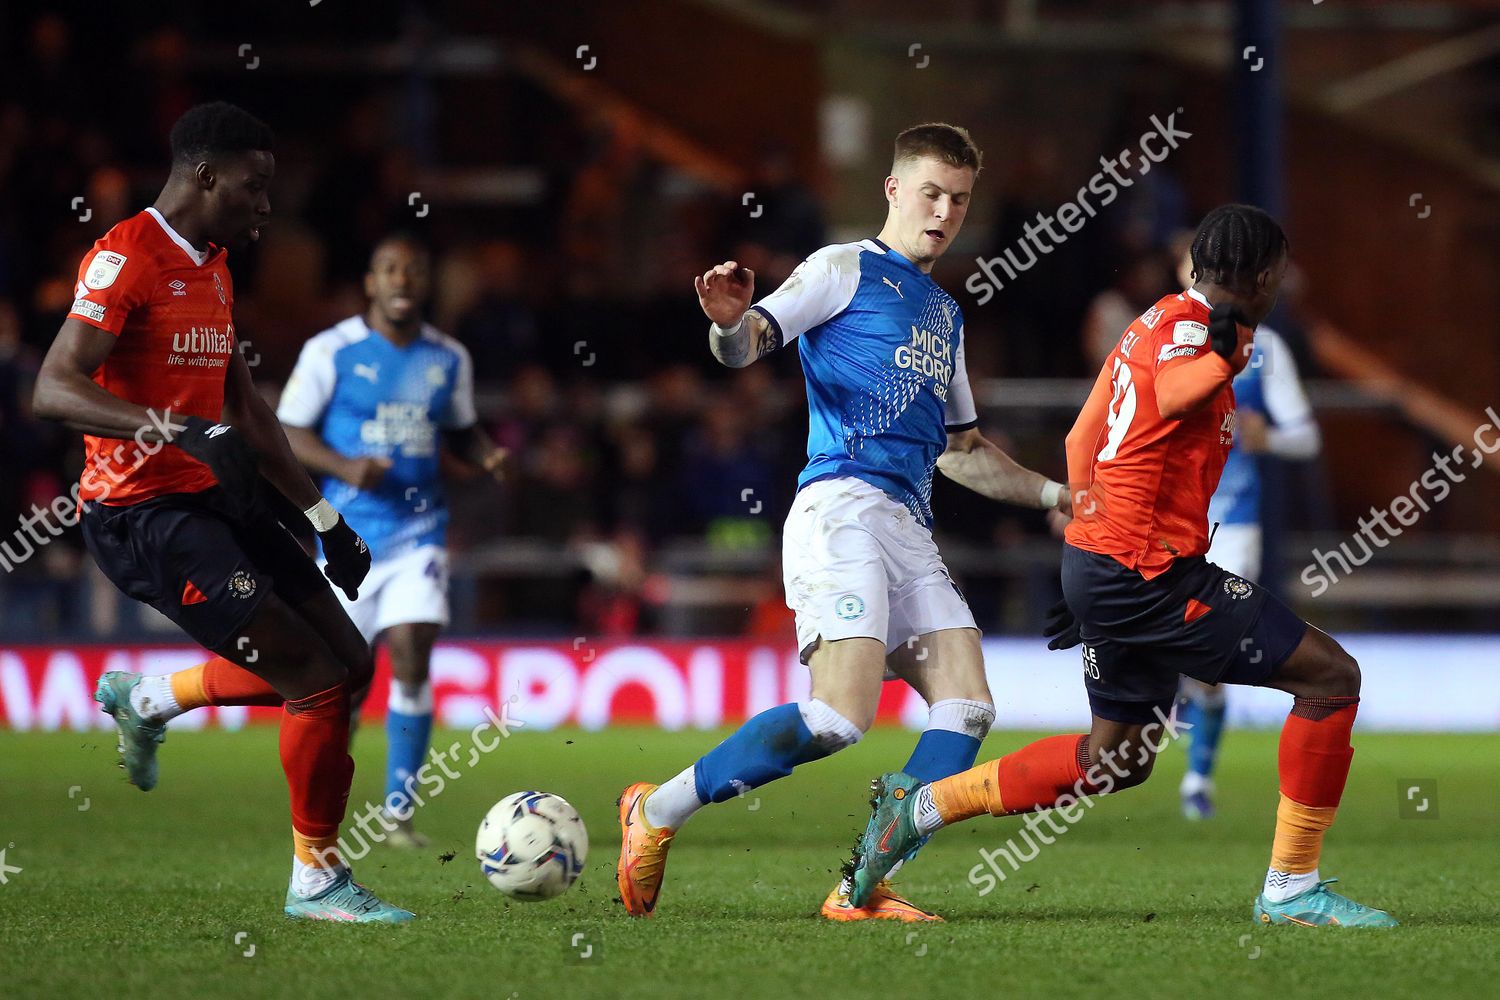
310 389
1179 341
960 414
820 288
1293 432
461 413
110 285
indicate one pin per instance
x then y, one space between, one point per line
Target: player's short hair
403 236
951 144
215 128
1234 243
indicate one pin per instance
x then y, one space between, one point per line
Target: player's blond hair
951 144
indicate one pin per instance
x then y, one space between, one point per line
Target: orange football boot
884 904
643 852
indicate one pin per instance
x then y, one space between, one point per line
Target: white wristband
322 515
730 331
1051 494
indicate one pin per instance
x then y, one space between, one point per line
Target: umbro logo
894 284
179 287
371 372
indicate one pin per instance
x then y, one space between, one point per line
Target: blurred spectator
1138 284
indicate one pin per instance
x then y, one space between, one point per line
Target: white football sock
309 880
962 715
674 801
924 811
1282 886
1194 783
153 699
828 727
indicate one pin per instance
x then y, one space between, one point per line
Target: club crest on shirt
242 584
850 607
219 287
104 269
435 376
1237 589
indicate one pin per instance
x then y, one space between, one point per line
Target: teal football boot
346 901
890 835
138 738
1320 906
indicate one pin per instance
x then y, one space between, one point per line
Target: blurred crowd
628 442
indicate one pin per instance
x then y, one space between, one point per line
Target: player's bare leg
408 723
846 678
946 668
312 669
1313 763
142 706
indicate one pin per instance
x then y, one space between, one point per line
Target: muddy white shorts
410 588
857 563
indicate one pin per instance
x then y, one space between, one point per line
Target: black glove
1224 322
1062 627
347 557
228 456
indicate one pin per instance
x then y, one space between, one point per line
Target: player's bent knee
831 728
1120 764
1344 674
322 670
361 671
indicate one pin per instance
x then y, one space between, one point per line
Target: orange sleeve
1183 386
1084 436
112 280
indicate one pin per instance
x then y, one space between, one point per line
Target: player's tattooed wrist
767 337
730 345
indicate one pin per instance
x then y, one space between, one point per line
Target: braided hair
1233 244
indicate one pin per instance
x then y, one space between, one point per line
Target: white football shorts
857 563
410 588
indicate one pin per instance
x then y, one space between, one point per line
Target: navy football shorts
189 556
1195 619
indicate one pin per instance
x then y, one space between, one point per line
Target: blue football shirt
365 396
882 351
1268 385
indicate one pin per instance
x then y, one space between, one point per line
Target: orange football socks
1033 777
220 682
1313 761
315 757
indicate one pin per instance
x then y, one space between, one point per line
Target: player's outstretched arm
66 391
736 337
975 462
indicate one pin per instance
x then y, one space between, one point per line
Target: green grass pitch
163 894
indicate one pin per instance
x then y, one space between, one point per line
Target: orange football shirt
1149 479
168 306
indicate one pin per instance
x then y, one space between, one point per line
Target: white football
532 845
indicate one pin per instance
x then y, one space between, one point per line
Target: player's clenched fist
724 292
1227 335
347 555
